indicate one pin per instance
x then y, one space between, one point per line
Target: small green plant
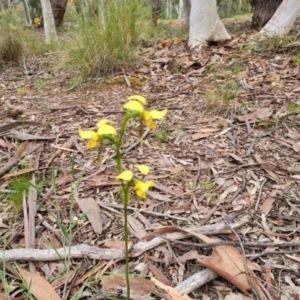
134 108
11 48
213 68
163 134
18 187
40 84
270 123
21 91
292 106
236 68
296 59
219 98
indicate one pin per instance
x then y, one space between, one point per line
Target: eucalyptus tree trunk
263 11
27 14
183 11
205 24
282 21
101 12
58 9
169 9
49 24
156 7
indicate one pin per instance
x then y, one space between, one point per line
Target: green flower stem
118 142
125 202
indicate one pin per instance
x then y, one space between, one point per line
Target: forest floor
225 162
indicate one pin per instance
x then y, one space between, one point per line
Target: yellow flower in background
37 21
141 187
96 137
126 175
143 169
137 103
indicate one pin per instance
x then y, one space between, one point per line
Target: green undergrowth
221 95
18 41
94 48
11 48
233 8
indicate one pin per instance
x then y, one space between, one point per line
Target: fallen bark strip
83 250
79 251
232 243
25 149
195 281
18 123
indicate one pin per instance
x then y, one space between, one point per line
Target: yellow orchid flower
141 187
138 98
147 116
103 122
90 135
143 169
96 137
126 175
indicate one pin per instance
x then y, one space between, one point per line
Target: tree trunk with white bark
27 14
49 24
59 8
263 11
282 21
205 24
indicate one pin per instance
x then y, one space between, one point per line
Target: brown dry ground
227 152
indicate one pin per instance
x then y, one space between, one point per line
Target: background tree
49 24
156 7
27 13
205 24
58 9
263 10
282 21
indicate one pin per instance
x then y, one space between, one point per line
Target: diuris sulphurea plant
134 108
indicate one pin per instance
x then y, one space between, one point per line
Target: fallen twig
198 173
259 194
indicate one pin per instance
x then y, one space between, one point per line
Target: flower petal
134 105
141 187
150 123
92 144
126 175
149 184
143 169
158 114
104 121
138 98
140 194
137 184
88 134
107 129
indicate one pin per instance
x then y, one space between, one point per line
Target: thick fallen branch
83 250
79 251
